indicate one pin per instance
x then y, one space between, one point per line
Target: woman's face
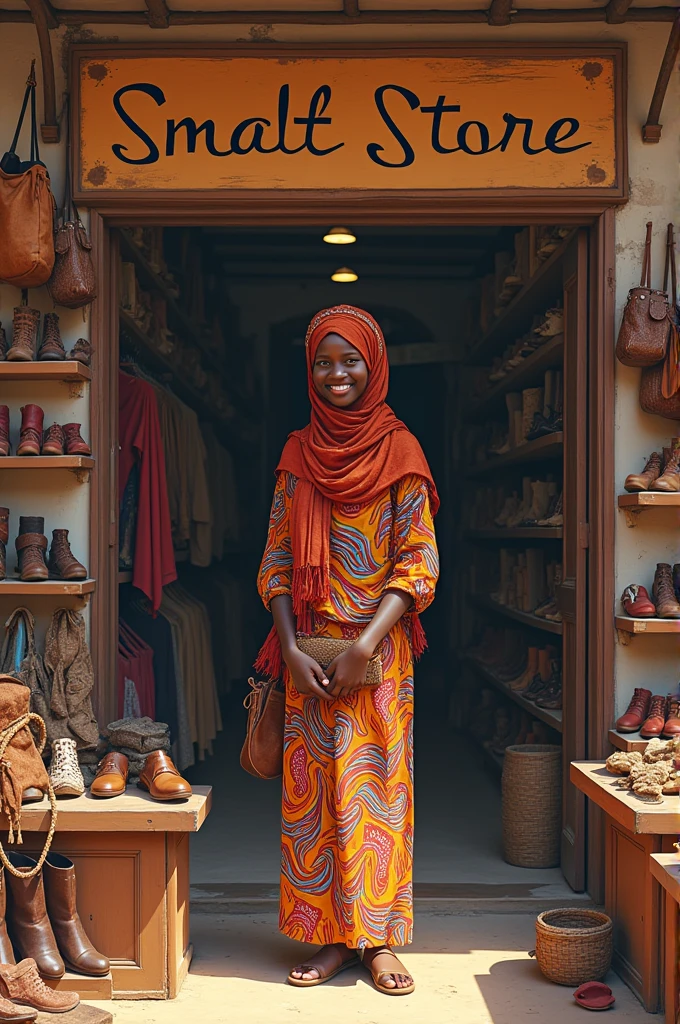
340 373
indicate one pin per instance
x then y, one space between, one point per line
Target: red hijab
350 455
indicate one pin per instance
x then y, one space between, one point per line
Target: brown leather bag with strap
262 752
660 384
645 327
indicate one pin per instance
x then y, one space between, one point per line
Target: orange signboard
541 119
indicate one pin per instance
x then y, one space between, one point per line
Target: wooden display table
132 868
635 830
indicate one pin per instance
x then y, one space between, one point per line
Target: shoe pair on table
24 348
661 472
34 440
31 547
159 777
653 715
665 600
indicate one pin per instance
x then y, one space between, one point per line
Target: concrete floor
468 969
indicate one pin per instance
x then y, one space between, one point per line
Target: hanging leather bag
26 209
660 384
262 752
645 327
73 282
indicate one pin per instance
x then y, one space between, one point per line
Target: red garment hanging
140 440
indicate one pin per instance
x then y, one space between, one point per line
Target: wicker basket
532 805
573 946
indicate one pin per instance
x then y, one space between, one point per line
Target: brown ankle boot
3 344
5 447
31 545
75 947
29 925
30 435
62 564
25 336
669 481
52 348
82 351
6 951
53 440
663 593
643 481
74 443
21 983
4 537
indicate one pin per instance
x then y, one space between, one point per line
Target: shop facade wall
655 195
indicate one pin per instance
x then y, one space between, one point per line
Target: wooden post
499 12
158 13
44 18
651 129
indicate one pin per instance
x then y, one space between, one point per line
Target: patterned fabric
347 829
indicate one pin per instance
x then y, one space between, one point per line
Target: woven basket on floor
573 946
532 805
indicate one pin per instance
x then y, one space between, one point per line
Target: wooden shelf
530 371
517 533
539 294
649 499
549 447
551 718
56 588
526 618
636 626
46 462
68 370
627 741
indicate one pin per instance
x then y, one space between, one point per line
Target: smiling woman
340 373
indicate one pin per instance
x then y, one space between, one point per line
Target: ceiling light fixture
339 236
344 276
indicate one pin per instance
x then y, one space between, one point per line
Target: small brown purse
262 751
324 649
645 327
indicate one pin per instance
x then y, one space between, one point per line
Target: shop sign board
547 119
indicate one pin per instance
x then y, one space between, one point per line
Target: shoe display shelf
488 604
627 741
132 860
549 447
538 293
529 372
626 624
632 505
46 462
69 370
46 588
551 718
502 534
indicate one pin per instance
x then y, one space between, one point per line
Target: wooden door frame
357 209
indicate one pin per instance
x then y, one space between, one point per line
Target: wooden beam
350 8
499 12
524 16
157 13
44 17
651 129
616 11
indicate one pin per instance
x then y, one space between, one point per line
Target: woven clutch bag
325 648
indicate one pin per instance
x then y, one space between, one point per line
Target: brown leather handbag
73 282
645 327
26 209
660 384
21 765
262 751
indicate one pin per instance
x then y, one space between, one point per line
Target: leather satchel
660 384
324 649
26 209
262 751
645 327
73 282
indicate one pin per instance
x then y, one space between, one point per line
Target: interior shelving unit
69 370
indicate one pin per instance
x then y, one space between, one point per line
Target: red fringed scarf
350 455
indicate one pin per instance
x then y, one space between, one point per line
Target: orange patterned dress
347 828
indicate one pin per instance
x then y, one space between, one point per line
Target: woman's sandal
377 975
320 968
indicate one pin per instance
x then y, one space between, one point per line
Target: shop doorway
494 334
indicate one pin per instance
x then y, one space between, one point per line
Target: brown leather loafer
111 777
161 779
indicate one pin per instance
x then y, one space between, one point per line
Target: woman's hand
347 672
308 677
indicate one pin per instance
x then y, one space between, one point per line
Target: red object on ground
594 995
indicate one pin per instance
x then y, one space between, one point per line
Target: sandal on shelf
326 970
378 970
